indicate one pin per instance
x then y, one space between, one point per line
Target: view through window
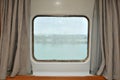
60 38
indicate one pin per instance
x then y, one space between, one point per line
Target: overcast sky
60 25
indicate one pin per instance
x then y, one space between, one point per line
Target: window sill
61 74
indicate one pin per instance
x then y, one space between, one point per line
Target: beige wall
61 7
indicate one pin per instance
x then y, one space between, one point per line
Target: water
60 51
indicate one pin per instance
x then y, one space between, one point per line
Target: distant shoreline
60 39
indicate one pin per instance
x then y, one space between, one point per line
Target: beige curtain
105 58
14 41
0 19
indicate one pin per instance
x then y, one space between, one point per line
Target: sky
60 26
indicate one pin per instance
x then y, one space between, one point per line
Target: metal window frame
84 60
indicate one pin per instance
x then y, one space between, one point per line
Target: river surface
60 51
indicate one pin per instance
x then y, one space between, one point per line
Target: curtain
105 43
14 41
0 18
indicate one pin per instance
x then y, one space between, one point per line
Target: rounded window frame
88 39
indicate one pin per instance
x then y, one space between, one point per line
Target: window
60 38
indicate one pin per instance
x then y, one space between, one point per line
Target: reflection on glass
60 38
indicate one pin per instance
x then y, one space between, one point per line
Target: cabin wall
61 7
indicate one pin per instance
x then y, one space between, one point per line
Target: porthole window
60 38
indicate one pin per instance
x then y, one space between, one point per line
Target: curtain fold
14 41
0 18
105 52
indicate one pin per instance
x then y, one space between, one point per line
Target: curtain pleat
106 21
14 41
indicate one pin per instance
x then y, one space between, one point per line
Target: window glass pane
60 38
